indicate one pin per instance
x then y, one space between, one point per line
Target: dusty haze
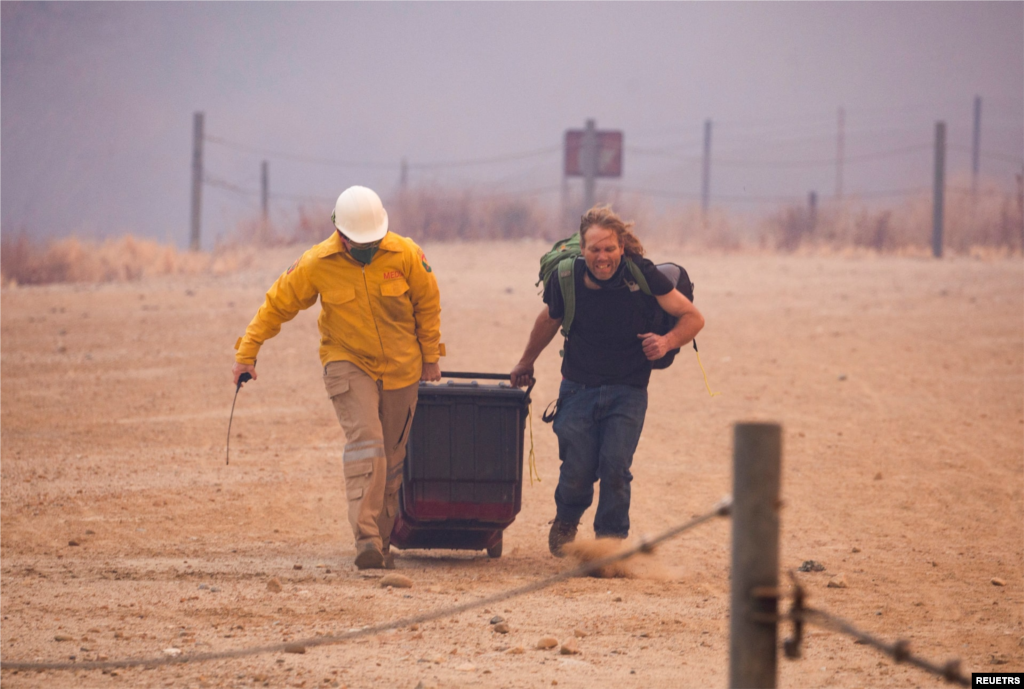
98 101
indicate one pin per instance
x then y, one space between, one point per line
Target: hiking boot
371 558
389 560
560 534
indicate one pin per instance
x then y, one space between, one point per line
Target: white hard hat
360 215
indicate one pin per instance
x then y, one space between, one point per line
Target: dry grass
115 260
446 215
990 225
441 215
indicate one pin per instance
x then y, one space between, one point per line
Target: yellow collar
334 245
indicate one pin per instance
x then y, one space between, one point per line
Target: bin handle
486 376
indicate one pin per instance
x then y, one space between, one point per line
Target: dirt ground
899 383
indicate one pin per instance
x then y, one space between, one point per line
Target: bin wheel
495 550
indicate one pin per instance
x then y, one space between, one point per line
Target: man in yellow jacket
379 336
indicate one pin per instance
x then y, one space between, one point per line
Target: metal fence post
705 180
194 241
976 149
264 202
588 160
753 629
939 189
840 153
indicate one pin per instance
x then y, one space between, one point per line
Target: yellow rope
533 455
705 376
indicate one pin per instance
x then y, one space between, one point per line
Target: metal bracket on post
764 605
792 645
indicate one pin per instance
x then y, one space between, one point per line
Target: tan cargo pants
376 424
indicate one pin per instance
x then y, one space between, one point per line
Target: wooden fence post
753 629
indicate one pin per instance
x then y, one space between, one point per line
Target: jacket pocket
338 295
395 305
338 314
394 288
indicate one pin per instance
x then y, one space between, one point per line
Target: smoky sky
97 102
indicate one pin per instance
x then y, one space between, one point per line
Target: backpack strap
567 281
638 275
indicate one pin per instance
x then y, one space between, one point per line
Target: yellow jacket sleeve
291 293
426 305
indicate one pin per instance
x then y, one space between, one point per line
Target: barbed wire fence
753 150
253 194
755 593
899 650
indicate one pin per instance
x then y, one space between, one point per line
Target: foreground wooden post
753 629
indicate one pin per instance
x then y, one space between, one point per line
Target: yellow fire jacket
384 317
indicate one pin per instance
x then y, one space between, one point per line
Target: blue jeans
598 429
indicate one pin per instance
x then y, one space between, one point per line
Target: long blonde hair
604 217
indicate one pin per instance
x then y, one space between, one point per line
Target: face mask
362 252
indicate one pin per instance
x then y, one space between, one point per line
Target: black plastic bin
463 479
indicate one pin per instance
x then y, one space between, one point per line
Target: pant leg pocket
335 381
357 478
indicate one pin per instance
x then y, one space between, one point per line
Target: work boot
389 558
560 534
370 558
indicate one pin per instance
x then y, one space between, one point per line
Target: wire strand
899 650
878 155
722 509
316 160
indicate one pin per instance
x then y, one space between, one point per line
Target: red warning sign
609 153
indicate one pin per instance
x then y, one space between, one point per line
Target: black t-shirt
603 347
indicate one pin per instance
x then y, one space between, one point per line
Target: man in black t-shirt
602 401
